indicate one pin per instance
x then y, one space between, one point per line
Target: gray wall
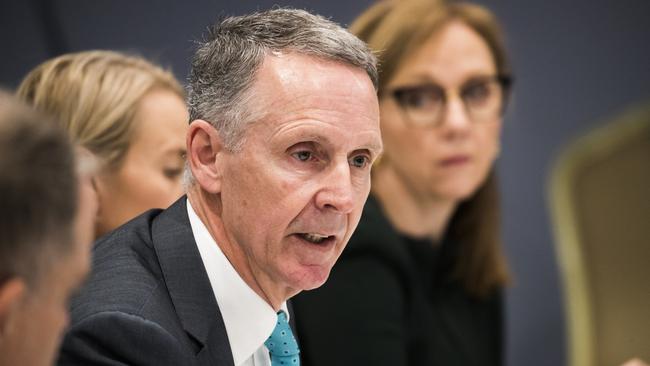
577 63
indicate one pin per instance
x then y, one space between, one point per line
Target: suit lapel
188 284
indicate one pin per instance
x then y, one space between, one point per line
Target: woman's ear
104 185
203 148
11 294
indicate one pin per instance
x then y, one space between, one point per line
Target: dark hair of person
38 191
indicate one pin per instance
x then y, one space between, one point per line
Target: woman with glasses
421 280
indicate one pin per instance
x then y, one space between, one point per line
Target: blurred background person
45 232
128 112
421 280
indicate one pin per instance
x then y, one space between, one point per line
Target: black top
390 301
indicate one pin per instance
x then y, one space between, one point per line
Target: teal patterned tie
282 345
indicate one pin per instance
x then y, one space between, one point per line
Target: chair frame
572 263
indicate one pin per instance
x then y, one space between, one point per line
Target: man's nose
336 189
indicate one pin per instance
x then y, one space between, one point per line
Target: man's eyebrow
318 138
322 140
374 146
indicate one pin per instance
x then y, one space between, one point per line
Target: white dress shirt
249 320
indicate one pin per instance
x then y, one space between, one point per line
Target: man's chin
314 285
312 277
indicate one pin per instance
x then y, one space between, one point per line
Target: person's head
443 87
43 257
285 128
130 114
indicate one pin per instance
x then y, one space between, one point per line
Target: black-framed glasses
424 105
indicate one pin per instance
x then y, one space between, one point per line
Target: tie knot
282 344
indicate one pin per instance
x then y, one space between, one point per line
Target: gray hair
225 65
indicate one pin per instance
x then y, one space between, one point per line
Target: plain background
577 64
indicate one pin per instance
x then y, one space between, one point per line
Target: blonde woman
127 111
421 280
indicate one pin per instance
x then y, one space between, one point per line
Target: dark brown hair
395 29
38 191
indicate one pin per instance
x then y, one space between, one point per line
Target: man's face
42 313
293 195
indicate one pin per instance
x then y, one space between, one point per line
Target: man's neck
208 208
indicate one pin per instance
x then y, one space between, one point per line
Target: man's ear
11 294
203 148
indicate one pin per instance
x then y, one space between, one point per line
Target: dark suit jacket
148 300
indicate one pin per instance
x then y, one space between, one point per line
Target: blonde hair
94 95
397 28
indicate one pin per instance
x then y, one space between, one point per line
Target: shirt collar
249 320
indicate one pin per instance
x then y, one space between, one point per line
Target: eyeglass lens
425 104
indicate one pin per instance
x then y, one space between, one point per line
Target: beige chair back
600 203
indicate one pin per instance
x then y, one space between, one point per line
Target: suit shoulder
112 337
125 273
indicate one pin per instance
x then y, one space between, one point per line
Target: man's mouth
316 238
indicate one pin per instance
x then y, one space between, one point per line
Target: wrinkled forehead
291 86
293 75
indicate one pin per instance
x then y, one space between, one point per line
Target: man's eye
302 155
360 161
